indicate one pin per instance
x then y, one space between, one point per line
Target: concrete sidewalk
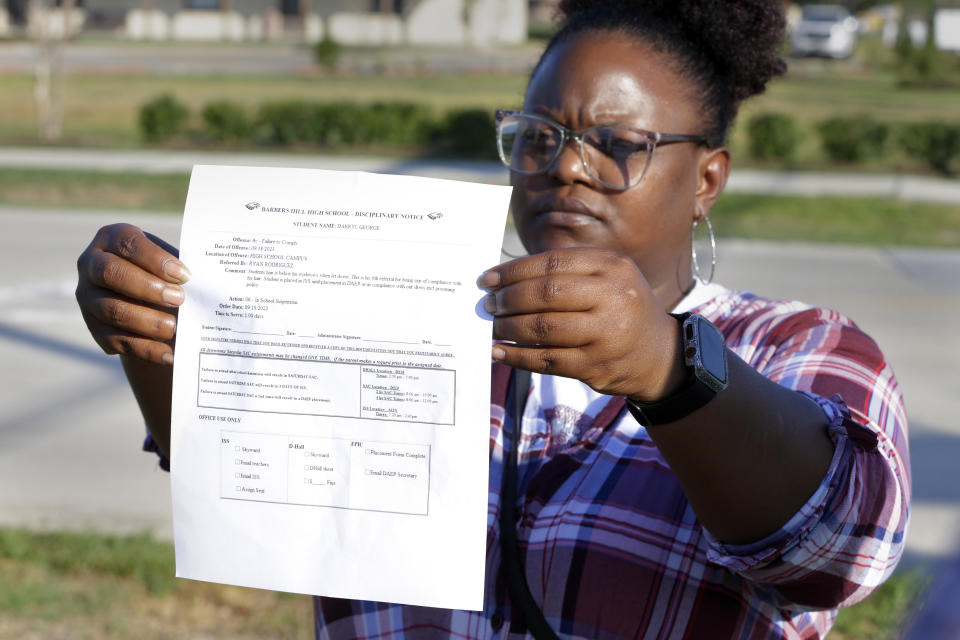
901 187
285 58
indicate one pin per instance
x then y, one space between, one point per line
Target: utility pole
304 11
226 10
66 6
48 71
466 17
146 8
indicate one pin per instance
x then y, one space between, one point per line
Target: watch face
712 354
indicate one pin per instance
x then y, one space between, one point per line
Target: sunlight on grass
74 585
877 221
85 585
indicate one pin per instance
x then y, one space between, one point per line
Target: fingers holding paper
583 313
129 289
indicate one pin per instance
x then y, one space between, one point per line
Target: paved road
69 428
903 187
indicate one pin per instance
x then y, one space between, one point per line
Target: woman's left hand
588 314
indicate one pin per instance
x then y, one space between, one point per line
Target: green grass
101 109
89 189
41 594
886 612
84 585
139 558
876 221
818 90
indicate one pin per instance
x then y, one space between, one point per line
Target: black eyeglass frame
654 138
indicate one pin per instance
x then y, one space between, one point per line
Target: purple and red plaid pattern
612 549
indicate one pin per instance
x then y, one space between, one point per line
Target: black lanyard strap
517 585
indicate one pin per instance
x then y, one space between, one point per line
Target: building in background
370 22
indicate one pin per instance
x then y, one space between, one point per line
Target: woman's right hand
129 291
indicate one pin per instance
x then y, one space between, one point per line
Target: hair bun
733 46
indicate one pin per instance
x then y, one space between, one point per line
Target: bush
469 133
852 139
226 121
398 124
936 143
337 124
327 53
162 118
463 132
772 136
288 122
402 123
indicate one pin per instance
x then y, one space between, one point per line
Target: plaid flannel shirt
611 547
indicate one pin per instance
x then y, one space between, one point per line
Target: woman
661 495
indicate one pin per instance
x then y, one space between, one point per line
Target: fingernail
490 304
499 353
167 358
176 270
173 296
170 324
488 279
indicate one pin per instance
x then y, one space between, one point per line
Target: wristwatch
705 357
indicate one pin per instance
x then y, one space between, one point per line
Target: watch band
679 405
702 385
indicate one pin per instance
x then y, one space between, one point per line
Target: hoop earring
693 249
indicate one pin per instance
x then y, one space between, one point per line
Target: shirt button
496 620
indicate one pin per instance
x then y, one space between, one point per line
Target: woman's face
605 79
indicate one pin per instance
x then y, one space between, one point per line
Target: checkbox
237 475
237 448
237 460
238 487
306 467
307 481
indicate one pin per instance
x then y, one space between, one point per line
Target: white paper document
331 399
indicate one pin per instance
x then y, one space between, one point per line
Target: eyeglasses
615 156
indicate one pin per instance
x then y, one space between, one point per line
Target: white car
825 30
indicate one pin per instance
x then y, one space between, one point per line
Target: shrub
337 124
772 136
464 132
327 53
224 120
852 139
936 143
162 118
402 123
344 123
467 132
288 122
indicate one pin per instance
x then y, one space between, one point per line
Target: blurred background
844 193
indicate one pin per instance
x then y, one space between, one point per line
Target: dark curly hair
729 48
